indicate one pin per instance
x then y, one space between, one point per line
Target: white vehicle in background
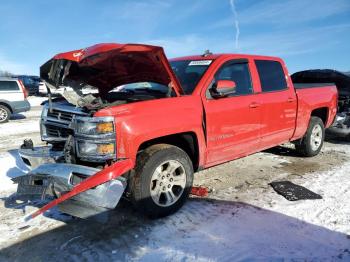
42 88
13 98
59 91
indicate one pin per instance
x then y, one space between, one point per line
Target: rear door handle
254 105
290 100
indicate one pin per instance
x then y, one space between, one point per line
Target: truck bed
314 96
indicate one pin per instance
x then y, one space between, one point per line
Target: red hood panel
107 66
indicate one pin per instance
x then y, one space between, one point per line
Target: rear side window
8 86
271 75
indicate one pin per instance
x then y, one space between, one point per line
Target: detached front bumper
36 156
54 180
77 190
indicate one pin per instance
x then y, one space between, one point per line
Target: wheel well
6 105
186 141
321 113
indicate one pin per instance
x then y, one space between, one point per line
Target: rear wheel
4 114
162 180
311 144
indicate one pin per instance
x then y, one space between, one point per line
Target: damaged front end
80 168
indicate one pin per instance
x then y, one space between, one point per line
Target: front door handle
290 100
254 105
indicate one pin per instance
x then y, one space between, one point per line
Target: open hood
107 66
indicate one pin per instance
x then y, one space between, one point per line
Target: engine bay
93 100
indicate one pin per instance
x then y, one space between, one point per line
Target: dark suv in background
31 83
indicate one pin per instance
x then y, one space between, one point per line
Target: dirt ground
129 236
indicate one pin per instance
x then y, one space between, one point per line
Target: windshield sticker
200 62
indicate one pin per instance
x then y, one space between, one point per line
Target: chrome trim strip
40 155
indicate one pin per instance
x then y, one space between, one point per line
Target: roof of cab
216 56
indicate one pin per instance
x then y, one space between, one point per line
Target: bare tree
5 73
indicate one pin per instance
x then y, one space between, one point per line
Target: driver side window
239 73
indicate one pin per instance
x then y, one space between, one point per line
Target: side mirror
223 88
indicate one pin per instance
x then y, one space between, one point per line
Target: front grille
55 131
56 124
60 115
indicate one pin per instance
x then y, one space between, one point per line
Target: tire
5 114
160 169
311 144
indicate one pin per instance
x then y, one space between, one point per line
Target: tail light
25 92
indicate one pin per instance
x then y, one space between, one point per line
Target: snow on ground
260 226
266 228
25 122
238 221
13 128
36 100
11 166
21 126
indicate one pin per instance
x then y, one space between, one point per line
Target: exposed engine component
69 151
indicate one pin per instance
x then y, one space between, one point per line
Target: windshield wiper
148 90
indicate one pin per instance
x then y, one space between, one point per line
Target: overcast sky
306 33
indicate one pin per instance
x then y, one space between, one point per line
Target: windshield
189 72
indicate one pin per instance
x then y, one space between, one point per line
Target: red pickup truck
154 122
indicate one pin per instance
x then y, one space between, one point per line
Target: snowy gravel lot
242 219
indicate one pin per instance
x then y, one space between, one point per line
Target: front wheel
4 114
311 144
162 180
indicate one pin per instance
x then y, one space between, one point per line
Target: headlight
94 125
88 149
95 138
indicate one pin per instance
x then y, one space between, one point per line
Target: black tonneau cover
321 76
312 85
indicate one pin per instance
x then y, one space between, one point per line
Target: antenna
207 53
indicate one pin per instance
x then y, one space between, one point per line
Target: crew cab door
278 103
232 123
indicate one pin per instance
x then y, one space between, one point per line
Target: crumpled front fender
117 169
